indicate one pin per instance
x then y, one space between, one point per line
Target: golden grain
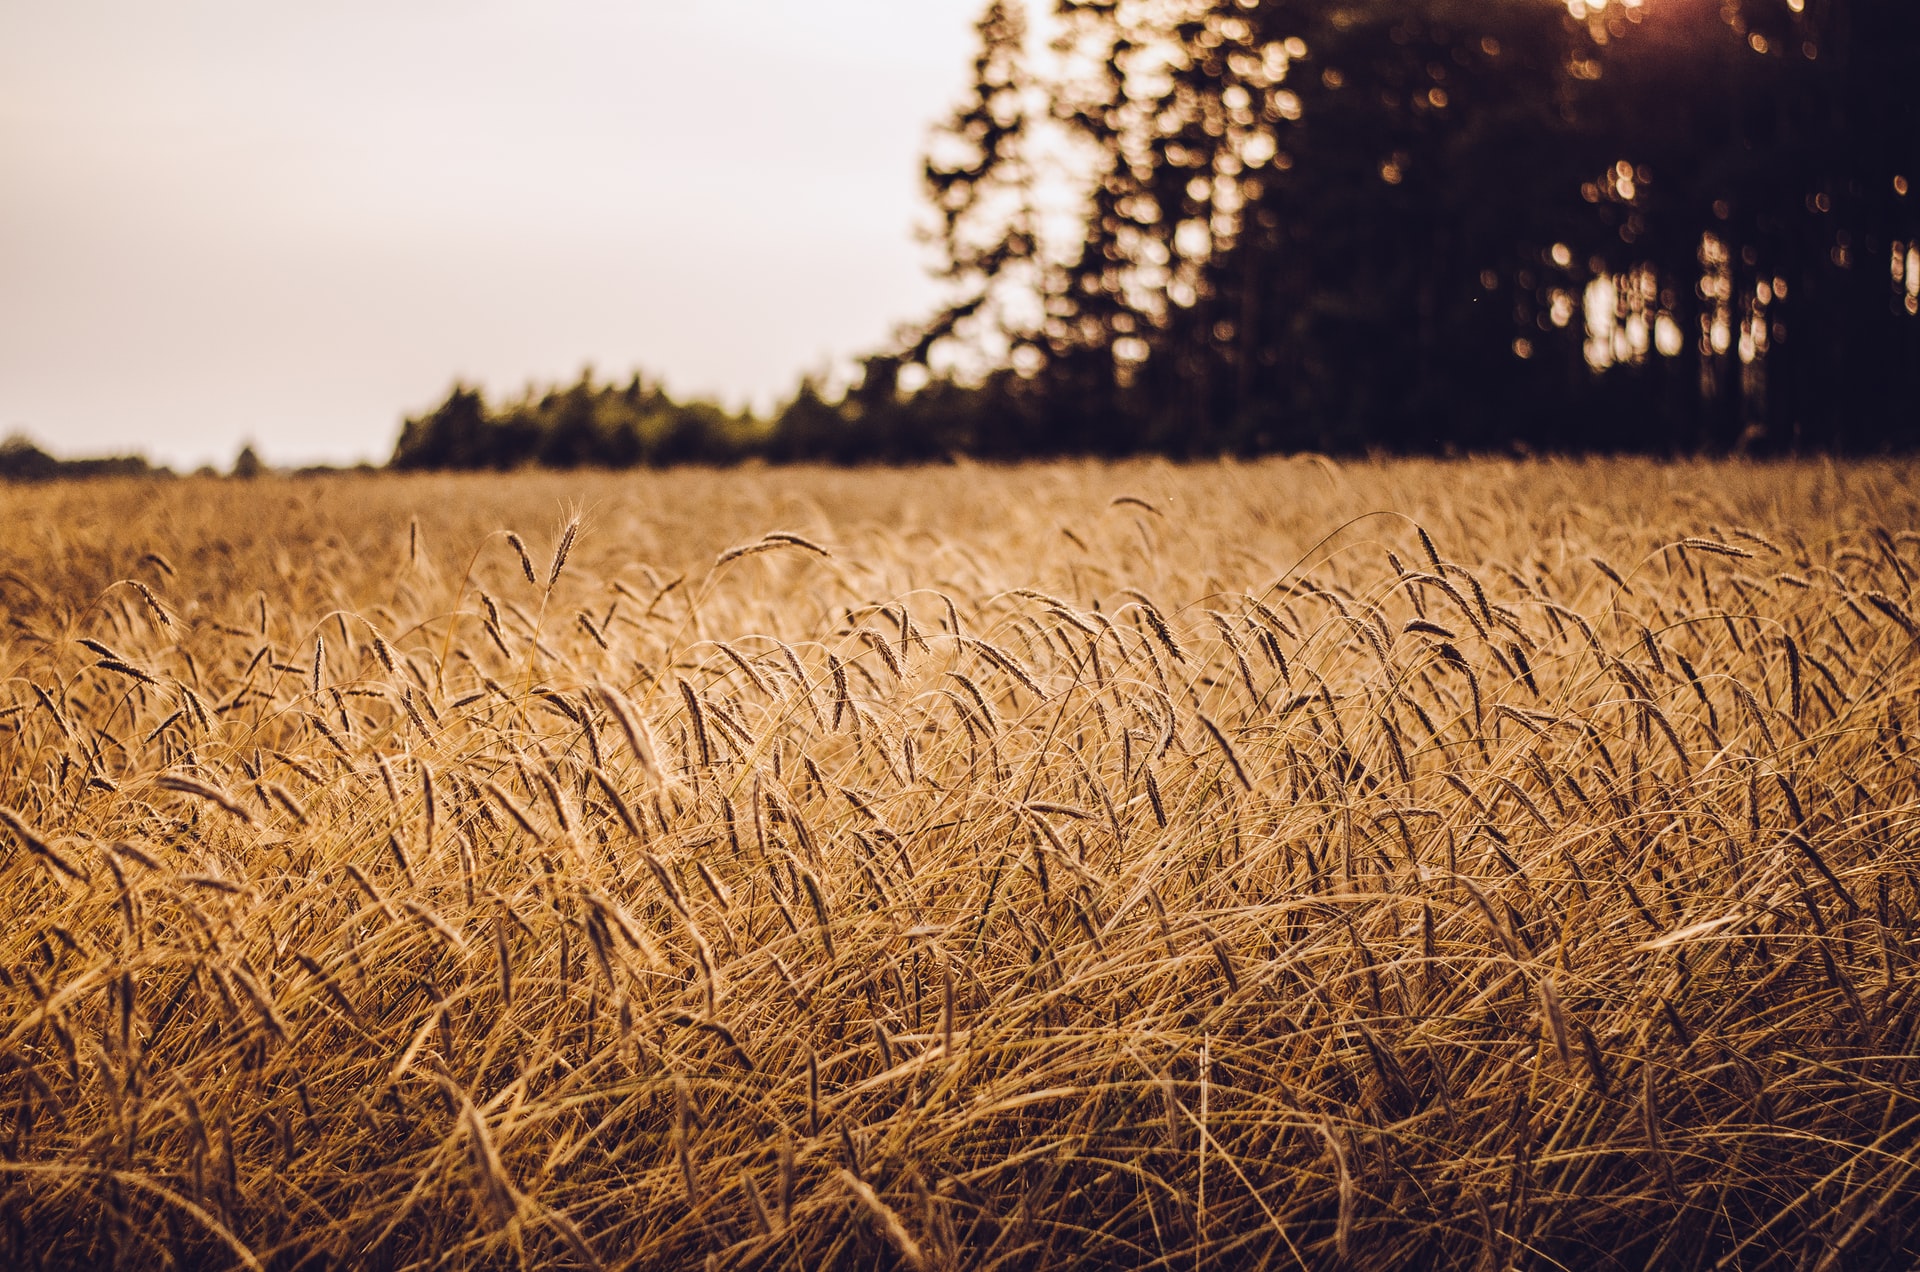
1450 946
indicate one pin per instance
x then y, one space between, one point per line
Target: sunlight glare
1584 9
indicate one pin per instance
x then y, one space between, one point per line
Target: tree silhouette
585 424
1446 223
1657 225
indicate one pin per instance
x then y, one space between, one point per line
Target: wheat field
1293 864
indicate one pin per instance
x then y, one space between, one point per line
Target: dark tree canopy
582 425
1653 225
1410 223
22 461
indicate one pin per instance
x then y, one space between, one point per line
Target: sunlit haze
225 221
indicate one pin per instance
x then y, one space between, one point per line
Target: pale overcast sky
296 222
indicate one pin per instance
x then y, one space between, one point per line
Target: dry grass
1115 866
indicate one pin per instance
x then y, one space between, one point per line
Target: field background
1279 864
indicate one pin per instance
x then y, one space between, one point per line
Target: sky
292 224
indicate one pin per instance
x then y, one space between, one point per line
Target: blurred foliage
1412 224
583 425
21 460
247 464
1415 225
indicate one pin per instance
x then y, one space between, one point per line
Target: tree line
22 461
1662 225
